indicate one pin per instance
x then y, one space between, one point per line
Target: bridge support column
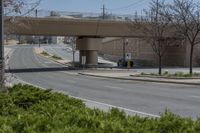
88 48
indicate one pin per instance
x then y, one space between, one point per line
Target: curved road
150 98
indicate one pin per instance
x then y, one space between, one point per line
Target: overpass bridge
55 26
89 32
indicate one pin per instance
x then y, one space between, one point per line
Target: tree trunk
191 59
160 65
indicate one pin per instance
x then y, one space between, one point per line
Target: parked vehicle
124 63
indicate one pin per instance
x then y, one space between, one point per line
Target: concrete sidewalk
7 54
9 78
129 75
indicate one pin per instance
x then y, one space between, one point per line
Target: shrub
166 73
26 109
196 74
56 57
142 73
45 53
178 74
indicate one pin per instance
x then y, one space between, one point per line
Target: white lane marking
114 87
197 97
71 81
119 107
48 62
70 73
36 58
99 103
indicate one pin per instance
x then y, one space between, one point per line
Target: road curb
87 101
162 77
145 80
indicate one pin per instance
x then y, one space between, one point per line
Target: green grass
26 109
53 56
56 57
45 53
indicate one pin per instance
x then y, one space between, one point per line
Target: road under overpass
89 32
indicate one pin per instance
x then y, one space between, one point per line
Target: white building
58 40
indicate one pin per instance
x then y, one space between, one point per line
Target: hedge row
26 109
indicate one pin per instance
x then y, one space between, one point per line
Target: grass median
27 109
45 53
173 75
56 57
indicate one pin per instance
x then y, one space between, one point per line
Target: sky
94 6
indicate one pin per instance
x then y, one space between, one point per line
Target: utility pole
103 12
36 13
1 47
125 43
124 49
73 41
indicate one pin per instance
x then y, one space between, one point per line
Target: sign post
128 58
83 60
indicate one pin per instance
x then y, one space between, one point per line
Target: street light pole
1 47
73 49
125 42
124 50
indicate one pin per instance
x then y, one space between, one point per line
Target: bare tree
11 7
155 29
21 7
185 16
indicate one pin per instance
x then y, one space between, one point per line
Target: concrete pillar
89 47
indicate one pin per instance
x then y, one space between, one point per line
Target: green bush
166 73
196 74
26 109
56 57
45 53
181 74
177 74
142 73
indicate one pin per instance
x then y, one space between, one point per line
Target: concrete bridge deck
55 26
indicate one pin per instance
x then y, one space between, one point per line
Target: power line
32 8
128 6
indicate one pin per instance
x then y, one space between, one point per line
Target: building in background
57 40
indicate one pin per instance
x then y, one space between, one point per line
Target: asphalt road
65 52
62 51
151 98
